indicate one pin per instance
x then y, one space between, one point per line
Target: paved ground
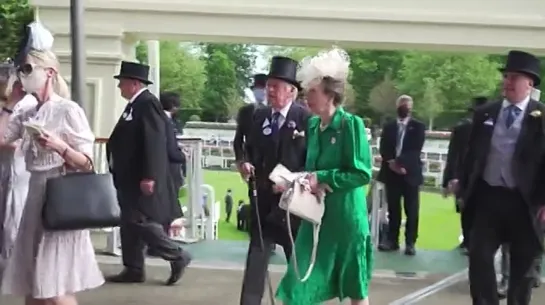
207 287
458 294
211 286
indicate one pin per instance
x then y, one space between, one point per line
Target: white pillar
154 63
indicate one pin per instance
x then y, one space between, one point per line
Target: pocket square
489 122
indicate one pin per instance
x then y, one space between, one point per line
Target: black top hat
134 70
522 62
284 68
478 101
260 80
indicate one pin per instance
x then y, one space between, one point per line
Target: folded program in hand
33 129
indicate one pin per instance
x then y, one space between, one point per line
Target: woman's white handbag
297 200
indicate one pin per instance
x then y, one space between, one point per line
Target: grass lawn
439 224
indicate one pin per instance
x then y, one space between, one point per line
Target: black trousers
257 260
396 190
505 268
465 222
501 216
137 232
228 212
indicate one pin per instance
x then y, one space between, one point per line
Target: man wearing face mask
245 116
456 152
138 160
401 144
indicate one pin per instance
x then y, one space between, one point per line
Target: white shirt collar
169 115
137 94
520 105
284 111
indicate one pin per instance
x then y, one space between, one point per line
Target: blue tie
512 114
274 122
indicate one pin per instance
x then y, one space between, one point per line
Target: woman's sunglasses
26 69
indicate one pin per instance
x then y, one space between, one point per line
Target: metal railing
198 227
379 217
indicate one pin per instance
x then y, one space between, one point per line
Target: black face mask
402 111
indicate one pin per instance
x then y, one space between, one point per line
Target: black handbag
80 200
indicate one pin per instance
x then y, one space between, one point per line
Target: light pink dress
49 264
13 189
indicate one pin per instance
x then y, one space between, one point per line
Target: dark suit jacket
175 156
456 151
266 151
176 159
137 150
244 125
528 161
415 135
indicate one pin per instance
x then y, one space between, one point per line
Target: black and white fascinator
35 37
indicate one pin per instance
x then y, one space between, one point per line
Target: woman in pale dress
13 174
49 267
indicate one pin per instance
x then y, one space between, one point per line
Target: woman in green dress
339 161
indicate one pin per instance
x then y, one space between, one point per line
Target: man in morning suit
170 101
456 152
502 184
401 144
177 160
138 160
271 142
245 117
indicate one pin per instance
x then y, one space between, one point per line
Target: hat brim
145 81
535 77
287 80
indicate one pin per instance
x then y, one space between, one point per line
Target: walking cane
253 189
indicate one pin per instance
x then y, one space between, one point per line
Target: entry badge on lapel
489 122
266 127
127 116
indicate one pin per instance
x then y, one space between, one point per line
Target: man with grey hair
270 142
401 144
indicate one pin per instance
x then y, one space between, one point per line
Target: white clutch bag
299 201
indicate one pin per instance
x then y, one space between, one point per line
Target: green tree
221 98
369 67
181 71
296 53
382 98
458 77
242 56
14 15
432 102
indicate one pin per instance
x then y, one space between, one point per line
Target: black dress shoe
410 250
388 247
177 269
127 276
503 285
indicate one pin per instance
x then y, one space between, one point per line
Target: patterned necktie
512 114
275 122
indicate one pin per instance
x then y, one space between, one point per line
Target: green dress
340 157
